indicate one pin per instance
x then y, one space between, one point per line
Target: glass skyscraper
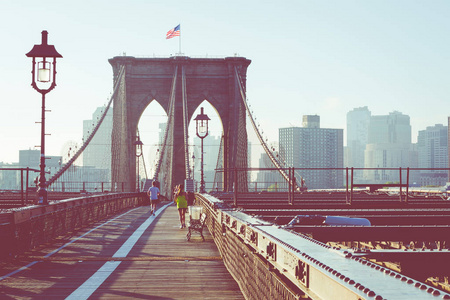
389 146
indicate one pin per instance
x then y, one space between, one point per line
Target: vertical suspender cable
185 122
169 124
219 164
258 134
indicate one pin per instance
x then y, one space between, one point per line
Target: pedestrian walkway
132 256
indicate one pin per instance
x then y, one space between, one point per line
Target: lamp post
46 76
193 166
138 143
193 170
201 122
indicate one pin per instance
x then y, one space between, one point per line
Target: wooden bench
196 225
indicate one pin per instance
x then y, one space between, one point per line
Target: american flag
173 32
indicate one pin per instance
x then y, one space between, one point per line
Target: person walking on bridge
181 201
153 193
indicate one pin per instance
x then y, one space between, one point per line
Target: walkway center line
85 290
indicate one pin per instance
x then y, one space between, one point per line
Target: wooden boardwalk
133 256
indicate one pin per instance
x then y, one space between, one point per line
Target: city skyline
323 58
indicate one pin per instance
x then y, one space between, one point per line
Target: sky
308 57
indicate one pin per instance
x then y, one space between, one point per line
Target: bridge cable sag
94 131
272 158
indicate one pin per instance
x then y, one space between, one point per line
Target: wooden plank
162 264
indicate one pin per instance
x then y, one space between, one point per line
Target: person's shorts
155 201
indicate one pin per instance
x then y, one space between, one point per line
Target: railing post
289 185
351 187
102 186
294 184
235 188
346 185
407 184
400 184
26 185
21 187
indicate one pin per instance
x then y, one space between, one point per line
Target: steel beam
322 271
428 233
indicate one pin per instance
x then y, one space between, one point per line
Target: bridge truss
403 255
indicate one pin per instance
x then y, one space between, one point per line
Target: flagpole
180 42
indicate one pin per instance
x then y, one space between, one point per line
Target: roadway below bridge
131 256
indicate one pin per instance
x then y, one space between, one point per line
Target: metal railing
10 185
343 179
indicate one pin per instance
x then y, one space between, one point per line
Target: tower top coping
130 59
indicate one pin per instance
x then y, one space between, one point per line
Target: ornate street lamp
138 143
201 122
43 72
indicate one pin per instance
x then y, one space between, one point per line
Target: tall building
358 121
388 146
313 147
98 154
432 147
311 121
269 180
9 180
31 159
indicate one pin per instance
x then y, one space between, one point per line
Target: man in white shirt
153 193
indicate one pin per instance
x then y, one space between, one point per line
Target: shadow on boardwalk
160 265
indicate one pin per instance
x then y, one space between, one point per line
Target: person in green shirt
181 201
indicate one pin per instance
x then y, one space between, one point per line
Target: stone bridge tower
151 79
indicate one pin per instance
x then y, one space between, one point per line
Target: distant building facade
448 139
432 147
268 180
98 153
389 146
358 121
313 147
10 179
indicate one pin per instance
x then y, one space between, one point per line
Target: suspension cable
219 164
272 158
185 123
88 140
143 160
169 121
